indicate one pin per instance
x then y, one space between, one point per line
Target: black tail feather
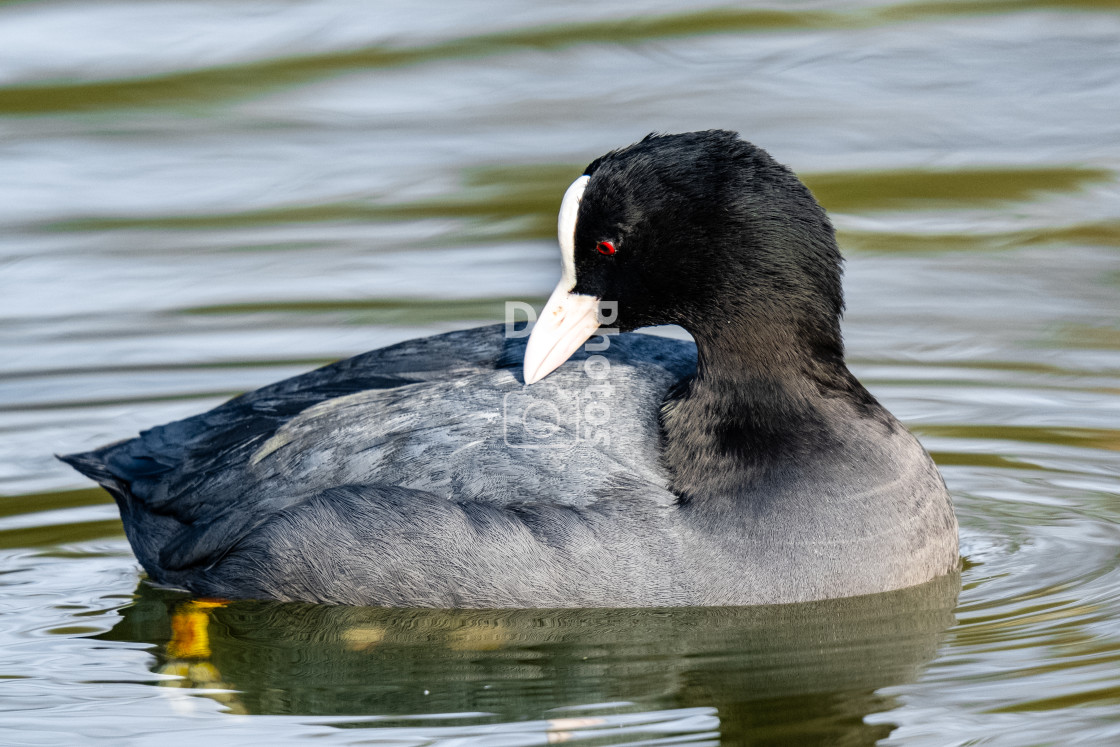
91 464
94 465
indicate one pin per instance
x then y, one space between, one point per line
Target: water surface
197 199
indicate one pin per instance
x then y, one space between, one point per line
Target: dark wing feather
422 416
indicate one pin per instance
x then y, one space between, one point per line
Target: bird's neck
758 404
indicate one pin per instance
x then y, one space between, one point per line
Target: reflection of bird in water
189 653
811 672
190 634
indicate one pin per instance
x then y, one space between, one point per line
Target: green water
200 198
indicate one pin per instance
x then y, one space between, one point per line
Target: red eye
605 247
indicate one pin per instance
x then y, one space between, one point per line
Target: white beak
567 321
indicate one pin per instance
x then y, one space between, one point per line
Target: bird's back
444 416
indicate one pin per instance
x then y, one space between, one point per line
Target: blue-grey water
198 198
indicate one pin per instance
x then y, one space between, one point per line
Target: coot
611 470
